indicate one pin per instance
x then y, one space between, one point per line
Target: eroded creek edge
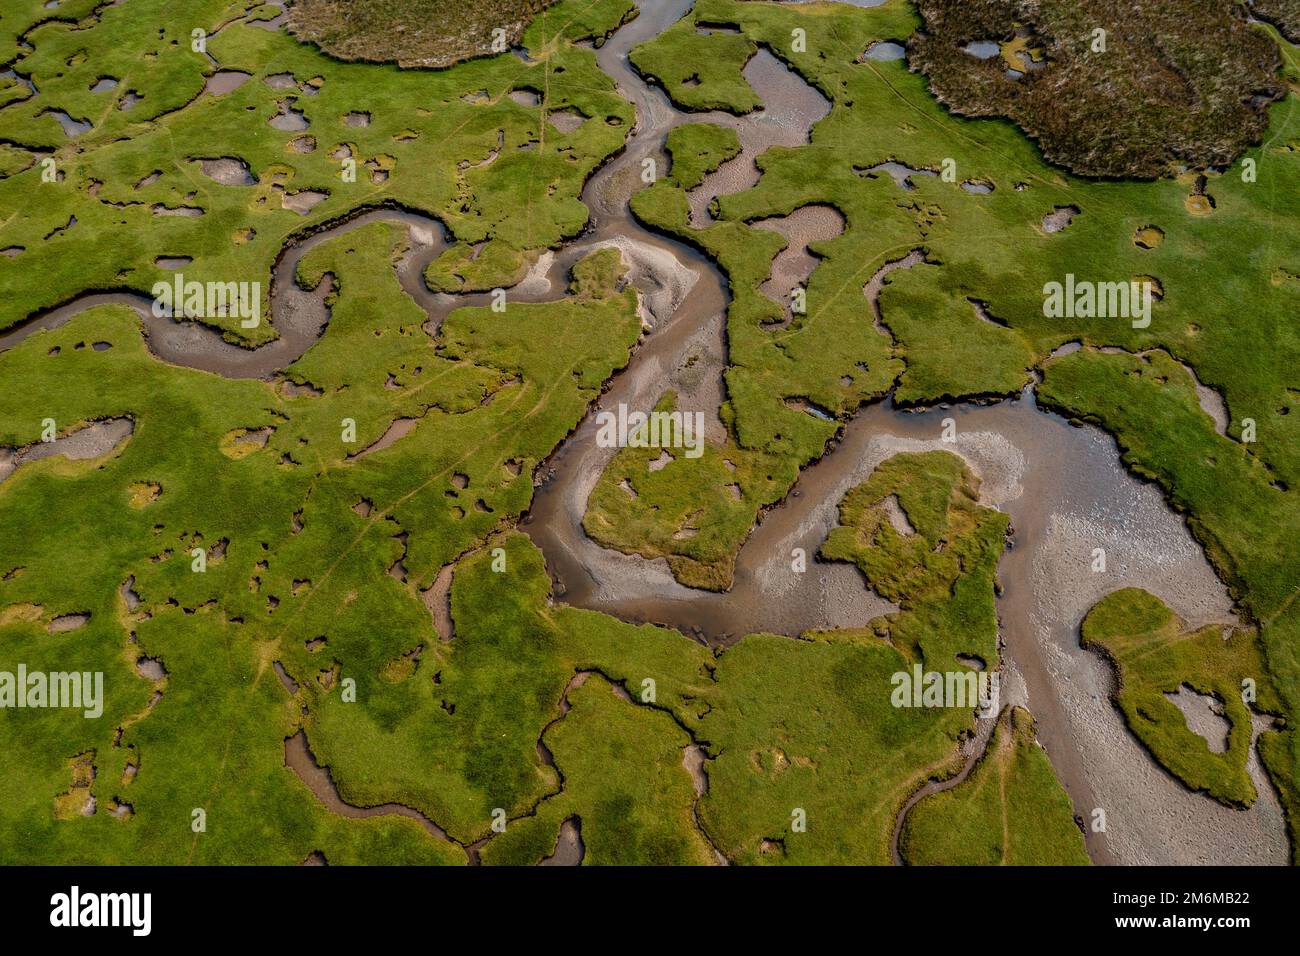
1063 486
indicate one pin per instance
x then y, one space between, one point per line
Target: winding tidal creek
1063 486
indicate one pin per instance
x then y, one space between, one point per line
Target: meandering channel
1063 486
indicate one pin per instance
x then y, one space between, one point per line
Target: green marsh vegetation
701 71
810 723
300 539
624 779
309 542
969 322
451 143
791 725
1237 506
697 149
1155 656
1010 811
22 15
74 536
456 735
322 559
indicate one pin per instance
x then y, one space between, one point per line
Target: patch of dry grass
1185 84
428 33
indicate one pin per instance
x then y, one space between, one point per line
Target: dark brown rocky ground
1181 82
427 33
1283 14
